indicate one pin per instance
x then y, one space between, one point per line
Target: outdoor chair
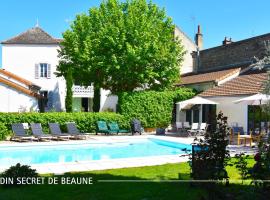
236 135
103 128
194 129
56 131
74 131
38 132
203 128
179 126
257 136
113 126
20 133
186 125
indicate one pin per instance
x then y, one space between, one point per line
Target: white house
33 55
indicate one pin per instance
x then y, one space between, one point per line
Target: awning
194 101
257 99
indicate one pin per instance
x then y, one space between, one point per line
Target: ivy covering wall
153 108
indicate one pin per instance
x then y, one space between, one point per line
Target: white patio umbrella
194 101
257 99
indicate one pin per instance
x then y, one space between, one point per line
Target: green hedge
4 132
153 108
86 122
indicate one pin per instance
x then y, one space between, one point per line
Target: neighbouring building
224 74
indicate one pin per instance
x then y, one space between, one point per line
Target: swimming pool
70 153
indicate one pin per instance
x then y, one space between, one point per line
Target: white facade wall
14 101
21 60
189 46
236 113
108 101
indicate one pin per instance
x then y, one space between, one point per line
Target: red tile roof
241 85
17 86
208 77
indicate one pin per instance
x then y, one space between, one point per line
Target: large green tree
121 46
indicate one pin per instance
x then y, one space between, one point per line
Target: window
43 67
43 70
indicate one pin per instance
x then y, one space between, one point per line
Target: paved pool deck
61 168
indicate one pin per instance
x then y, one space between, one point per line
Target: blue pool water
65 153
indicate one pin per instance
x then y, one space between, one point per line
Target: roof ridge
237 42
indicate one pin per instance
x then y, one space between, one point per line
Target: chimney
227 41
199 38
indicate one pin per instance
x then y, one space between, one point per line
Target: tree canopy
121 46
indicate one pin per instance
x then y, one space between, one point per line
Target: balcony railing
82 91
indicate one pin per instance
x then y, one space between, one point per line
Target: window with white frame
43 70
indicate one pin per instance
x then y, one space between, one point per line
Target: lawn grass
125 190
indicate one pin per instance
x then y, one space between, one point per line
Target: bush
3 131
86 122
18 171
152 108
210 159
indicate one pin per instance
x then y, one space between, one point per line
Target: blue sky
238 19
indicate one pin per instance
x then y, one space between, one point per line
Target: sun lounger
19 133
38 132
113 126
56 131
103 128
74 131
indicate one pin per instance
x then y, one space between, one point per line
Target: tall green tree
69 92
121 46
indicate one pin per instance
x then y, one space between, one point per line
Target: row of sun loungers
38 134
195 129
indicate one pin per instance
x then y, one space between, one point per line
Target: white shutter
36 71
49 71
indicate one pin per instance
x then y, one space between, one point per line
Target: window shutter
49 71
36 71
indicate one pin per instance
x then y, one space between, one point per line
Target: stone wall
236 53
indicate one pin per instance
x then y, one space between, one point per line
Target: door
85 105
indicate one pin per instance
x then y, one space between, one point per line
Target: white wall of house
189 46
236 113
107 101
14 101
21 59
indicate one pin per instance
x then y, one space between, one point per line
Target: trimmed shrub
153 108
86 122
4 132
18 171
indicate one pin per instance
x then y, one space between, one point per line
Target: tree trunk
96 100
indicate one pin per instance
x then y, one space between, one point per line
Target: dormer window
43 70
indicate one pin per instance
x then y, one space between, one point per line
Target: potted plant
161 128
